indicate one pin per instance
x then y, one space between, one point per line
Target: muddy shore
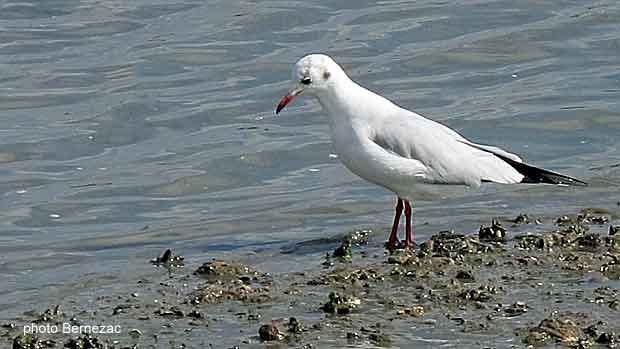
511 285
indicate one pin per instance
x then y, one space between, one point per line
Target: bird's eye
305 81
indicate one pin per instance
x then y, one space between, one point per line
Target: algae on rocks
340 304
493 233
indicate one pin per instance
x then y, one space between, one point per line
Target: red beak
287 99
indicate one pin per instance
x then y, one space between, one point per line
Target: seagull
396 148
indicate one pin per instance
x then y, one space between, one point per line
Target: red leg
408 231
393 242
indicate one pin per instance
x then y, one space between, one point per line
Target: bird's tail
532 174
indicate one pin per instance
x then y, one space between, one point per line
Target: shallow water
128 128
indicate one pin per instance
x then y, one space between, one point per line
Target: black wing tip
532 174
537 175
556 179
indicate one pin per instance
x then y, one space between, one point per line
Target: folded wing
449 158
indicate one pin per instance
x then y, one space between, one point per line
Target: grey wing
449 157
493 150
457 136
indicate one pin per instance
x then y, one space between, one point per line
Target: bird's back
449 158
395 147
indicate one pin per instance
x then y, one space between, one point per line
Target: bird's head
312 75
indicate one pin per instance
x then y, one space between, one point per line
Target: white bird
397 148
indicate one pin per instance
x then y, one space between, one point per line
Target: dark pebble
294 326
26 342
606 338
494 233
380 340
353 336
516 309
84 342
522 219
464 275
589 241
268 332
344 251
196 314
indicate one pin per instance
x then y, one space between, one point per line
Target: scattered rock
593 216
600 334
563 330
221 270
170 312
121 308
590 241
516 309
135 333
449 244
611 270
254 317
564 220
231 281
540 241
415 311
50 315
405 258
344 252
481 294
614 229
219 292
579 224
327 263
294 326
521 219
339 304
426 248
465 275
353 337
606 338
27 341
168 259
269 332
198 315
85 342
380 339
494 233
359 237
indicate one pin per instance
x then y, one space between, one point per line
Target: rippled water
130 127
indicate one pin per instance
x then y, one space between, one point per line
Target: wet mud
510 285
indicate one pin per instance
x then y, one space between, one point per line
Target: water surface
127 128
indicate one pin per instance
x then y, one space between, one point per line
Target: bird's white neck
348 103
